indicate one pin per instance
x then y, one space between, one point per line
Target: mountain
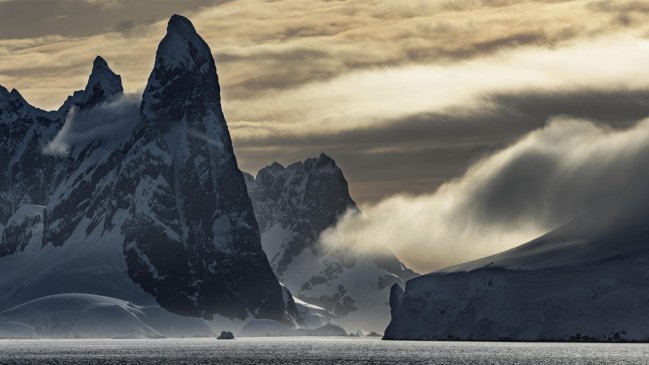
30 176
103 85
191 238
24 230
151 207
27 175
30 266
293 205
585 281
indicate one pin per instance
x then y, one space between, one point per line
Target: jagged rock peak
15 96
323 160
181 25
12 95
322 163
103 77
325 157
182 46
183 81
315 167
13 105
103 85
4 93
99 62
273 169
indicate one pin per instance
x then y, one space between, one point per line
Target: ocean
301 350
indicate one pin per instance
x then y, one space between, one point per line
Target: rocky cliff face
32 172
293 205
24 230
305 198
26 174
191 238
157 209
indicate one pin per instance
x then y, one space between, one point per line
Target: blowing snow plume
544 180
112 120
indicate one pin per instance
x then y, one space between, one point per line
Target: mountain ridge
156 215
294 205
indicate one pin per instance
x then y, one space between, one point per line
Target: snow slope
312 315
587 280
93 316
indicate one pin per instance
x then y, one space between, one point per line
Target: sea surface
313 351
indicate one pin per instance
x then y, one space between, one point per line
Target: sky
417 101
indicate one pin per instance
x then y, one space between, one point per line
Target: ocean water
313 351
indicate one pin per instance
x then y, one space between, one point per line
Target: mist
113 120
538 183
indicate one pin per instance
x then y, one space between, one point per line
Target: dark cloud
459 5
418 153
571 169
295 66
124 26
291 68
626 13
263 47
628 6
27 19
512 40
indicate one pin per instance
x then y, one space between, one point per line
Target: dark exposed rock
225 335
293 206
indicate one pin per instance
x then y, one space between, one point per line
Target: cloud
544 180
420 152
103 4
367 98
326 70
113 121
260 53
405 95
21 19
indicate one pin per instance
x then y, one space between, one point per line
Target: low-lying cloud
110 121
540 182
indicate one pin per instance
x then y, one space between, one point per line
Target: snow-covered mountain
27 175
103 85
147 203
585 281
191 238
293 205
24 230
